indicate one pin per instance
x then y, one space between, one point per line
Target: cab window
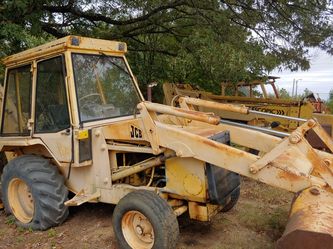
51 101
104 87
17 102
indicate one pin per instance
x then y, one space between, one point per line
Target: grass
269 195
53 244
51 233
21 229
278 219
3 232
10 220
261 213
252 217
19 239
263 219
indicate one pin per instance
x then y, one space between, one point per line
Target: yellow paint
198 212
192 184
186 177
83 134
292 108
20 200
86 45
324 119
202 212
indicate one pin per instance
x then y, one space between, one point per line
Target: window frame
27 134
76 86
64 73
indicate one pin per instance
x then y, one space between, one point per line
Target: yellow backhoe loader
243 93
75 119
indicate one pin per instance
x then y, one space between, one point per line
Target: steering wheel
92 106
90 95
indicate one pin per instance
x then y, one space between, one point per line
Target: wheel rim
20 200
137 230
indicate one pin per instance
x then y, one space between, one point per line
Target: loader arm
290 163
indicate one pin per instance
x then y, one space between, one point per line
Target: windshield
104 87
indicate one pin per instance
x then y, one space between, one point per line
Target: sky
318 79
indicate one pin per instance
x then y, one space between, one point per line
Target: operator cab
65 85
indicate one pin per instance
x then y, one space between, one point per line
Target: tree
329 102
305 93
202 42
283 93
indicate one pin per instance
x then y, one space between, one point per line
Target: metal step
81 198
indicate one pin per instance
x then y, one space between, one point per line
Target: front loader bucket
310 224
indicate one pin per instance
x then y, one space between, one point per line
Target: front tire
233 201
34 192
143 220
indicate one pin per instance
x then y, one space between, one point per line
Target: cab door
52 122
17 102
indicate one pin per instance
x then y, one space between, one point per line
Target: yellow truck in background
249 95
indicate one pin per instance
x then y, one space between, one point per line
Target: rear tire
233 201
34 192
3 162
143 220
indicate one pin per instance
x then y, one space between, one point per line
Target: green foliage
10 220
329 102
21 229
305 93
51 233
256 218
201 42
15 38
284 94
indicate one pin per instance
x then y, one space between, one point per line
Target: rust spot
210 143
288 176
284 157
314 159
314 191
318 142
227 150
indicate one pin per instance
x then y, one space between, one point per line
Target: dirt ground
256 222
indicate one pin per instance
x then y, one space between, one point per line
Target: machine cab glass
104 87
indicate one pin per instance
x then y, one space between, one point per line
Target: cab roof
73 43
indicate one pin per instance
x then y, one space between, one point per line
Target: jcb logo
135 132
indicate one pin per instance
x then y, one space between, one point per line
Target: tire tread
47 186
159 211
